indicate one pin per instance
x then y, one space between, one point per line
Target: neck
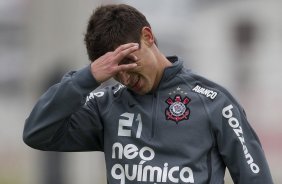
164 63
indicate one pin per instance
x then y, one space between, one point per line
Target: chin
142 92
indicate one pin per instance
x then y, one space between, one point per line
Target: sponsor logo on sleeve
235 125
120 86
92 95
205 91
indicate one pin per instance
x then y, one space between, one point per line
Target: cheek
149 79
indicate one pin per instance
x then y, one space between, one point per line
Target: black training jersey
187 131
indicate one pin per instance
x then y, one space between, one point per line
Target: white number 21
127 122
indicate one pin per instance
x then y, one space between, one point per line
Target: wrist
84 80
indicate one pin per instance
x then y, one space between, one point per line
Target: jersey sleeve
61 121
237 142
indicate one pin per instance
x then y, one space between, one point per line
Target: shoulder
208 90
217 101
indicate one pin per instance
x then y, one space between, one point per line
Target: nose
124 77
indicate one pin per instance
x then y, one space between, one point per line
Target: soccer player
160 124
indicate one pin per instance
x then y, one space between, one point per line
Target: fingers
126 67
132 57
125 51
109 64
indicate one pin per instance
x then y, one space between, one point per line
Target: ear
147 36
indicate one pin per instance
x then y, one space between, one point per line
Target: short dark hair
112 25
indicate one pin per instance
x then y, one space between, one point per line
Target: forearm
240 147
54 107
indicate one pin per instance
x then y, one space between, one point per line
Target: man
161 124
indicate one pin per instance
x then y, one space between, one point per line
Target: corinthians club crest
177 109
